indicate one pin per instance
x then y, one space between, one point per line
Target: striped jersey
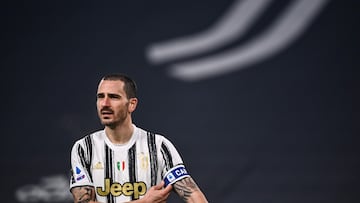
122 172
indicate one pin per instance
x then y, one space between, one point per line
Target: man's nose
105 101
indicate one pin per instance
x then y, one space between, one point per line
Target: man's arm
188 190
83 194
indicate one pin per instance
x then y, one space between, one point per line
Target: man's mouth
106 112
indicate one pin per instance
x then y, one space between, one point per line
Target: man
124 163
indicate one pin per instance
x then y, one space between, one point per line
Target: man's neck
120 134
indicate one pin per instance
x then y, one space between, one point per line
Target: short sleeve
170 156
80 166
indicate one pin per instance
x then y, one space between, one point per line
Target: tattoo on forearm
82 194
185 188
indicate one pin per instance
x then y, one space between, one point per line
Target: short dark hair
129 84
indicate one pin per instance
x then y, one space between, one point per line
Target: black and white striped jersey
122 172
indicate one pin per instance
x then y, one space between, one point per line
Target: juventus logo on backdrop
284 30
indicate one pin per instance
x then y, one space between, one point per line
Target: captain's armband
175 174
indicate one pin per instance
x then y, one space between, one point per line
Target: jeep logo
116 189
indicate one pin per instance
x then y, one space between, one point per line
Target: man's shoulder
148 134
93 136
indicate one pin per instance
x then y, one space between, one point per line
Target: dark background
282 130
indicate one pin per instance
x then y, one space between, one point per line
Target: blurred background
260 97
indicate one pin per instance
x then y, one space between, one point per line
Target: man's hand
156 194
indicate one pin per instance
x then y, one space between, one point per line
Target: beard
110 124
111 119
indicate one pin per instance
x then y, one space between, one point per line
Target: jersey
122 172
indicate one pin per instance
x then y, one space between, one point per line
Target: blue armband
174 174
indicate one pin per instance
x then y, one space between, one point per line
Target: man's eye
114 96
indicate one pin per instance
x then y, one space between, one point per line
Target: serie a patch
175 174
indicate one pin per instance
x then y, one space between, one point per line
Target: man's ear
132 104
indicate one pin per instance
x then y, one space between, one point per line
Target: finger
168 188
162 183
159 186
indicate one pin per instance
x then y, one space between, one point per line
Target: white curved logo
284 30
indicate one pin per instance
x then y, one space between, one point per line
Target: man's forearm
83 194
189 191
